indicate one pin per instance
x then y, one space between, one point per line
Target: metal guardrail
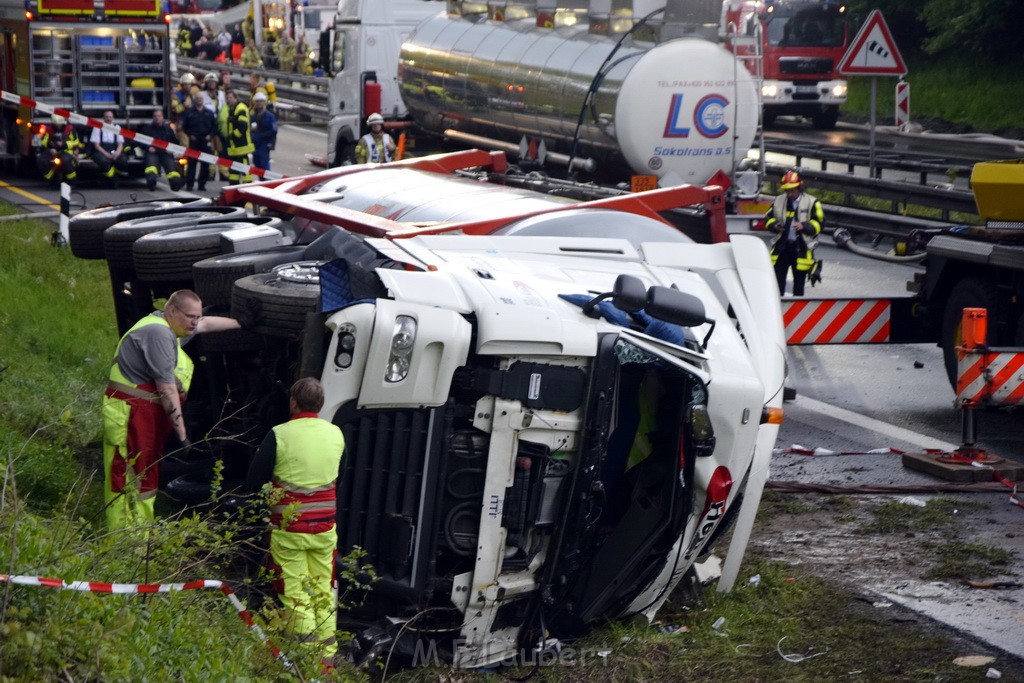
923 166
901 194
298 94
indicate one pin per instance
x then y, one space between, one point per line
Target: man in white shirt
107 150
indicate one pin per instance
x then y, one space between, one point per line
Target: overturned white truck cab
551 409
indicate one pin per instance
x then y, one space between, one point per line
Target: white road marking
884 428
303 130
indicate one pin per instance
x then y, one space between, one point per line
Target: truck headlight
839 90
403 339
770 91
346 344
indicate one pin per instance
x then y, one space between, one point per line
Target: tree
968 29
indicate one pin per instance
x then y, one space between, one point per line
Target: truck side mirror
629 293
674 306
325 54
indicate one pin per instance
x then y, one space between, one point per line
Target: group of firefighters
209 117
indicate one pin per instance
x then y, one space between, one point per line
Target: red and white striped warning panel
993 378
244 169
902 104
141 588
836 321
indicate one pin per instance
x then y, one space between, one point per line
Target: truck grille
386 490
805 65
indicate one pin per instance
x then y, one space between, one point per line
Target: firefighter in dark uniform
59 146
200 125
796 217
157 158
108 150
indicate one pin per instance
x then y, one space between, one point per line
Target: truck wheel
215 276
968 293
85 230
279 299
826 120
119 238
168 255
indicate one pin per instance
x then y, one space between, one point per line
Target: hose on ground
843 238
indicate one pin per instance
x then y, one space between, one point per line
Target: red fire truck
795 47
82 56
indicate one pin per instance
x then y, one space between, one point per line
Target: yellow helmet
791 180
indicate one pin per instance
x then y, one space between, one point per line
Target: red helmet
791 180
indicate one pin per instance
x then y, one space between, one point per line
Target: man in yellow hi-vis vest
797 217
149 378
301 458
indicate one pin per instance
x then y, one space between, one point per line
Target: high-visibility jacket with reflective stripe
306 471
809 212
183 370
238 134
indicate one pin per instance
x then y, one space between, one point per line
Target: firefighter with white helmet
796 217
182 101
375 147
59 146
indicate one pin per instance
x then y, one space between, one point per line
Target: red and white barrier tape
186 152
797 449
1014 500
143 588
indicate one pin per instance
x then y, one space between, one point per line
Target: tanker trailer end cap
688 108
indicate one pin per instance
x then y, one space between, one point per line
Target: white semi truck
359 54
551 408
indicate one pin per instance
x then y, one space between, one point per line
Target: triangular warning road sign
873 52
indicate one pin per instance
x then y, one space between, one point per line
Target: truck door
646 475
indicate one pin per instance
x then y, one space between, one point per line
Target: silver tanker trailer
681 109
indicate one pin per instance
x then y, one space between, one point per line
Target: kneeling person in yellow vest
149 379
301 459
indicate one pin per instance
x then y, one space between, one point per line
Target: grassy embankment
57 334
951 96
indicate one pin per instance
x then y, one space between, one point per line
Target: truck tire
168 255
279 300
214 277
826 120
119 238
968 293
85 230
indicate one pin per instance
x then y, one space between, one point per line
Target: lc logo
708 117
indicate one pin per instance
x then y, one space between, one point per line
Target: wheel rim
299 273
